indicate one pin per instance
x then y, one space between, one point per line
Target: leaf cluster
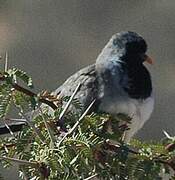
80 148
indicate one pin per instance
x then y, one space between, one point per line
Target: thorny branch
106 145
19 161
30 93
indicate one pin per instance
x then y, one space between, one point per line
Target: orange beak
149 60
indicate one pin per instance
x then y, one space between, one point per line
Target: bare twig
77 123
69 102
82 116
6 62
12 134
19 161
16 120
30 93
91 177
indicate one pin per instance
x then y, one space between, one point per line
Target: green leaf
95 147
5 99
17 73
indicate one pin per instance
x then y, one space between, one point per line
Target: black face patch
139 85
136 47
132 44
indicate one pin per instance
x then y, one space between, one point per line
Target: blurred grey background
53 39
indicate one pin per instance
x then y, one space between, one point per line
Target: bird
118 81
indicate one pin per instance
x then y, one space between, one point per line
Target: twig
116 147
24 90
19 161
91 177
167 135
157 159
76 124
69 102
82 116
16 120
30 93
11 132
6 62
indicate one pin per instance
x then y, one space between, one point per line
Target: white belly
139 110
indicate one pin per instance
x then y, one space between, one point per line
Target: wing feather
88 90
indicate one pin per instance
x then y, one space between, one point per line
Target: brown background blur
53 39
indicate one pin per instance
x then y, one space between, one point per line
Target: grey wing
88 90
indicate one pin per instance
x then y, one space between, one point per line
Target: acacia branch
116 148
19 161
29 93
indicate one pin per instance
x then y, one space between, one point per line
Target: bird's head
127 47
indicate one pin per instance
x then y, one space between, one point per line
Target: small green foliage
94 148
5 99
15 74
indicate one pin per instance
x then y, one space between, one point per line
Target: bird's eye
115 42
